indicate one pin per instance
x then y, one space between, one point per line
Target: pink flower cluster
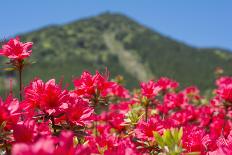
100 116
16 50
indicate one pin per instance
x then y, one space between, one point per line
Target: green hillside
124 47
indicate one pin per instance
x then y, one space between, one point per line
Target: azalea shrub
100 116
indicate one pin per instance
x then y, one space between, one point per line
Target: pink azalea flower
205 114
119 91
116 120
193 139
219 126
223 81
184 116
28 131
44 146
16 50
149 89
174 100
103 143
225 92
166 83
192 92
89 85
65 142
33 93
122 107
124 147
79 112
48 97
9 111
144 130
224 146
47 146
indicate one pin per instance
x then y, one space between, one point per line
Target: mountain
125 47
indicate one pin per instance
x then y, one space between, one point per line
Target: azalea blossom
89 85
79 112
224 146
49 96
145 130
9 111
44 146
149 89
29 130
16 50
225 92
193 139
48 146
165 83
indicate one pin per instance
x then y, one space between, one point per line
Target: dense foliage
100 116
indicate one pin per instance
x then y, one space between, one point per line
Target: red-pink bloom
84 84
48 97
116 120
166 83
192 92
223 81
205 114
83 150
144 130
122 107
104 142
225 92
120 91
79 112
149 89
9 111
219 126
54 99
104 128
16 50
110 144
123 147
44 146
47 146
216 102
24 132
33 93
89 85
172 101
66 145
29 130
193 139
224 146
183 116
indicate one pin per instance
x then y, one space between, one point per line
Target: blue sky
201 23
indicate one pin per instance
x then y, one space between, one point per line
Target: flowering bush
100 116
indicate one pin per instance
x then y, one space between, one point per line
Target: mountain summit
123 46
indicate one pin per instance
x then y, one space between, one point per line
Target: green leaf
180 134
193 153
75 141
177 135
159 139
168 139
9 69
2 126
